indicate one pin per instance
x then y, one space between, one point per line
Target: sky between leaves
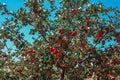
14 5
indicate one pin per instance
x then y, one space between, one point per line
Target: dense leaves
61 49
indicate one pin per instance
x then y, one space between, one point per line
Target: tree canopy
61 49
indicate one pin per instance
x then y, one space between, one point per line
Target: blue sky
14 5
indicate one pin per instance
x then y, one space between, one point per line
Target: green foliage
61 49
